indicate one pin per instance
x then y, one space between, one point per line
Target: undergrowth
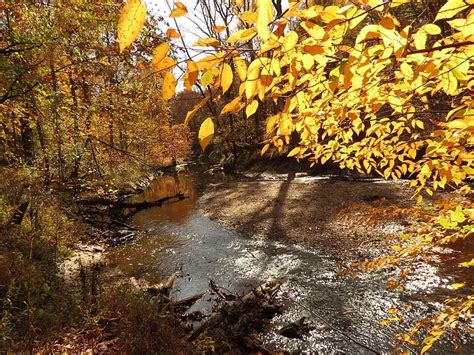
40 310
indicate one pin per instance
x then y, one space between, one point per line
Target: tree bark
27 146
75 135
44 150
57 124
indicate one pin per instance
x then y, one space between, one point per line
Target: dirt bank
363 215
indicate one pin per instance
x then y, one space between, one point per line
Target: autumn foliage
374 86
70 104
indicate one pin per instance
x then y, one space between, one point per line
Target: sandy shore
353 219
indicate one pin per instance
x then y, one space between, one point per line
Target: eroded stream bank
242 233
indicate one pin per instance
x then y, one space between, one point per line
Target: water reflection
178 237
164 186
146 258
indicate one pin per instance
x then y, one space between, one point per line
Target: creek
179 237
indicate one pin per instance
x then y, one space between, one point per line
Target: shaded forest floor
55 293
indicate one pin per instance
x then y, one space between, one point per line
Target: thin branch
445 46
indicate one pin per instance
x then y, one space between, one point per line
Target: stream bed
179 237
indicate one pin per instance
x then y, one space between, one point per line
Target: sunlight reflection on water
179 237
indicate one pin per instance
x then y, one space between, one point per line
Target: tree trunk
75 136
42 140
27 146
57 124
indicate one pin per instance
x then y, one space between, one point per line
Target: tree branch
438 48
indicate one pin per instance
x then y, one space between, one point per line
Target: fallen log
125 204
163 288
114 221
188 301
265 291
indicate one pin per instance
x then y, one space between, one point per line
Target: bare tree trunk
109 94
27 146
42 140
14 133
75 136
57 124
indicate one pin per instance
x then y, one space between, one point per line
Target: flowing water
345 313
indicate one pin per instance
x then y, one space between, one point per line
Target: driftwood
124 225
163 288
124 204
188 301
265 291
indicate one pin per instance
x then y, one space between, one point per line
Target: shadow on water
179 237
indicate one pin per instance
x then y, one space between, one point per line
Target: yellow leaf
165 64
191 74
450 83
271 122
264 18
206 133
207 77
406 70
252 108
131 21
195 109
218 29
357 18
420 39
368 32
233 106
207 42
241 35
264 149
169 86
436 332
290 41
420 124
227 77
210 60
294 151
172 33
241 67
392 311
457 124
314 30
248 17
457 286
308 61
467 263
426 348
179 10
159 53
396 247
431 29
451 8
253 74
